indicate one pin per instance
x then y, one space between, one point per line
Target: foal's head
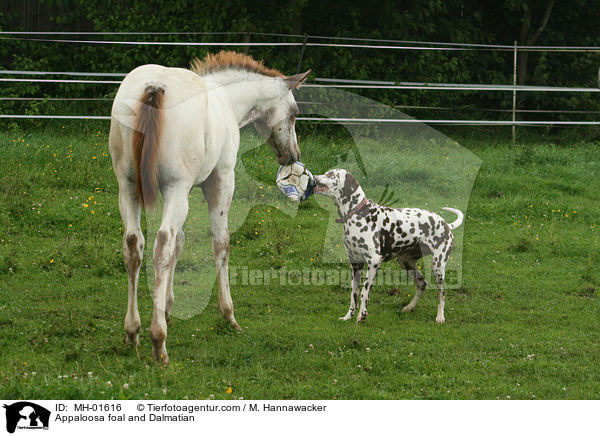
277 120
266 96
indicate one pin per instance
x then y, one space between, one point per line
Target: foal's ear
295 81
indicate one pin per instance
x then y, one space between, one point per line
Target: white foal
173 129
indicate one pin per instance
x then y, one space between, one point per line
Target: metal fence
304 41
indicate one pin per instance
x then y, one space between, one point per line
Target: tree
529 35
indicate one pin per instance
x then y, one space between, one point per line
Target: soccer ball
295 181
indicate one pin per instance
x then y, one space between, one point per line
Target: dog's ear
350 185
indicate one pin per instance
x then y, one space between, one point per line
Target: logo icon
26 415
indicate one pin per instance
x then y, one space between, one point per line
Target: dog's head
337 183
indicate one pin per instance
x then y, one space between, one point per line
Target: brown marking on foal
132 257
220 246
230 59
162 237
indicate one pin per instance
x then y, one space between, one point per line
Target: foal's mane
225 60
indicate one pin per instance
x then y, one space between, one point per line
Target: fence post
301 54
514 102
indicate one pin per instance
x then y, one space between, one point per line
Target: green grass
524 322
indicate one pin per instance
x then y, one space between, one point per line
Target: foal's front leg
218 191
179 240
356 279
372 268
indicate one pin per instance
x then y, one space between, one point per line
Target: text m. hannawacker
180 417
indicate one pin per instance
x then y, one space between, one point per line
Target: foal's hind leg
133 249
218 191
175 211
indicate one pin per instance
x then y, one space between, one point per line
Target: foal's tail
146 141
458 221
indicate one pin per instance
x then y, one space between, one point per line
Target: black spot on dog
424 228
388 245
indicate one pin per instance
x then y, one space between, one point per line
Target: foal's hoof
408 308
161 357
440 319
168 318
235 325
133 339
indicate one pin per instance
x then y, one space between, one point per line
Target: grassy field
523 323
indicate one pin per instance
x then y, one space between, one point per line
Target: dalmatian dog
374 234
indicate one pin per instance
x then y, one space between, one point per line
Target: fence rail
319 82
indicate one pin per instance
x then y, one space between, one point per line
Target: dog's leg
372 268
439 268
356 279
415 274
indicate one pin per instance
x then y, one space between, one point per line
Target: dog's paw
362 316
408 308
345 318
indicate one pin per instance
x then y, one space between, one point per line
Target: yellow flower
51 260
228 390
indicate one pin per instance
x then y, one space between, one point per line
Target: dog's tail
458 221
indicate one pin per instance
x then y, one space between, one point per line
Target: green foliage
450 21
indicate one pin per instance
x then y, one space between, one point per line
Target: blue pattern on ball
292 190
